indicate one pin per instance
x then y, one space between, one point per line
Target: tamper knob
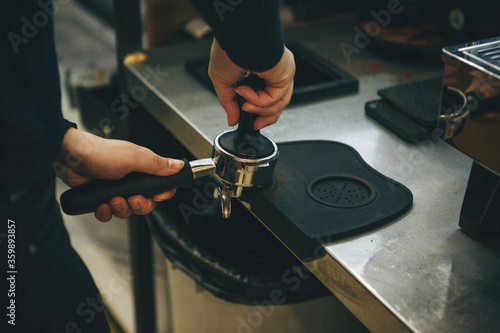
245 141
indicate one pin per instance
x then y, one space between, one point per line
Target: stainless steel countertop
419 273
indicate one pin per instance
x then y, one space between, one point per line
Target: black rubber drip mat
324 190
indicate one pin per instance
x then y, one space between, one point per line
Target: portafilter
240 158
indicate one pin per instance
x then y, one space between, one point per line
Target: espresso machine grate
488 53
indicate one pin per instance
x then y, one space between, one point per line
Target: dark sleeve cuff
248 30
67 124
63 127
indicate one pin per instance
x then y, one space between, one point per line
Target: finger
164 196
272 112
151 205
148 162
141 205
103 213
120 207
227 99
73 179
265 111
262 122
263 98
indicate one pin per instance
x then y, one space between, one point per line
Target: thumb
149 162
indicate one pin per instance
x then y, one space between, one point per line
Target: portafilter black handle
87 197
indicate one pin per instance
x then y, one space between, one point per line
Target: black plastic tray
315 76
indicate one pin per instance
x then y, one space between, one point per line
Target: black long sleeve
248 30
31 122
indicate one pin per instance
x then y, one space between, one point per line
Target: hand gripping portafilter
240 158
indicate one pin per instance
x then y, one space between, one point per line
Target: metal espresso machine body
470 119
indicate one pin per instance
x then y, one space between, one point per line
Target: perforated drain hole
341 191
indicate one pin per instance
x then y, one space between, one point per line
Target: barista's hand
268 104
85 156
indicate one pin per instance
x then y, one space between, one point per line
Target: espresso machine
470 120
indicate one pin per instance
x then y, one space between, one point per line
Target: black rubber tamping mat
324 190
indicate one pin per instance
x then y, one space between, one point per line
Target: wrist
283 70
220 61
76 145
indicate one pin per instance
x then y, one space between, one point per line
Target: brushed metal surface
419 273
